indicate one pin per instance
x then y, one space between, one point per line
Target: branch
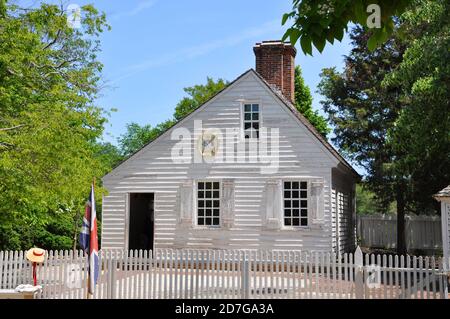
54 67
54 40
11 128
10 72
6 145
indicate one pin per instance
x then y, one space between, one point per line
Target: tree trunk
401 238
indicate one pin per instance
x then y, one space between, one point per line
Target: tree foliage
314 22
303 103
362 110
197 95
49 123
366 202
136 136
390 108
420 137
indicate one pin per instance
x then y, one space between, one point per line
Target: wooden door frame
127 218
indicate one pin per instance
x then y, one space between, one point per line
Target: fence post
245 276
359 274
445 282
112 281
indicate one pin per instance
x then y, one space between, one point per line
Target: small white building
243 171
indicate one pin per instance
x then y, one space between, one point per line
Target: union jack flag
89 241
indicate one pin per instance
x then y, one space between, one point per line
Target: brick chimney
275 62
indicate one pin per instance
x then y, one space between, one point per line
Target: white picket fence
231 274
380 231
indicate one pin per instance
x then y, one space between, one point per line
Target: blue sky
156 48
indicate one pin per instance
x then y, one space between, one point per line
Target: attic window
251 120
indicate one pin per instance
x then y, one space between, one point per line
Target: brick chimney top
275 62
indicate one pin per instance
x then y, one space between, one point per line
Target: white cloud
141 6
181 55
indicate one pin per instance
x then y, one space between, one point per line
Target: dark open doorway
141 221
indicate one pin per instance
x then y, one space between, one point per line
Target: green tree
303 103
366 202
420 137
408 159
362 112
137 136
49 123
197 95
108 154
318 21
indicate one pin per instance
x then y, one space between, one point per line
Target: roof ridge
178 121
283 99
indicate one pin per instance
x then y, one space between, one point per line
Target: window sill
248 140
313 226
207 227
299 228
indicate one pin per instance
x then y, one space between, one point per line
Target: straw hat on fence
35 255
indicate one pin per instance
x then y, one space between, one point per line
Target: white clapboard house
245 170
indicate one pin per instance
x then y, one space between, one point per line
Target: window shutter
227 203
317 205
186 199
273 204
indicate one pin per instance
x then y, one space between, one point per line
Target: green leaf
295 34
285 18
286 35
338 33
305 42
330 36
372 42
384 35
359 12
319 43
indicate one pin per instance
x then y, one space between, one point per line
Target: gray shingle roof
443 193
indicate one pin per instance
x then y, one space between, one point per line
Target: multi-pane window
208 204
251 120
295 203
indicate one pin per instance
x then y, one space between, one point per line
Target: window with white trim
295 199
208 203
251 120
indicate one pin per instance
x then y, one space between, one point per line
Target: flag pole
88 295
89 273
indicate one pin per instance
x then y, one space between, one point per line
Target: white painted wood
152 170
185 202
3 272
235 273
343 226
317 201
379 231
228 203
445 227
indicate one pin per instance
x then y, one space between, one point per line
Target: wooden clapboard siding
302 156
445 226
343 213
